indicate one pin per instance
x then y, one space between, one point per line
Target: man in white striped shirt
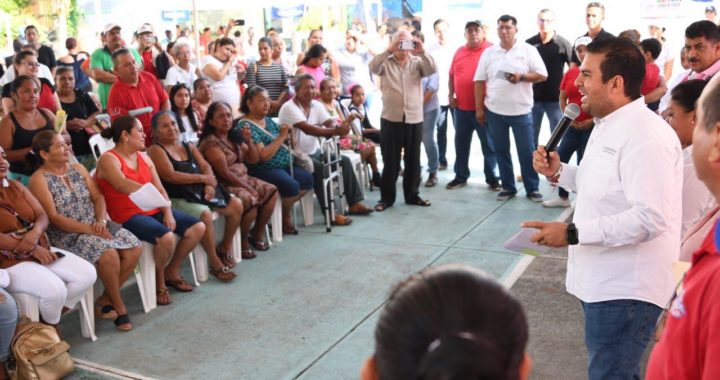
626 230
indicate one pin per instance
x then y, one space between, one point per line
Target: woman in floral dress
227 155
77 214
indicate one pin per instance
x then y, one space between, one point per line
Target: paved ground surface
307 308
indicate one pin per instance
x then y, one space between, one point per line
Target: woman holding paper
77 213
57 278
136 198
19 127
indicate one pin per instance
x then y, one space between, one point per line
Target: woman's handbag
195 193
39 354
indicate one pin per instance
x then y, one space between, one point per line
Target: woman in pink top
123 171
313 64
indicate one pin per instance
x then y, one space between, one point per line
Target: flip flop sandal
289 230
163 297
224 274
259 245
248 254
106 311
122 322
180 285
226 258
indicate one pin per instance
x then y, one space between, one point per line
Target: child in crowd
187 118
651 49
357 106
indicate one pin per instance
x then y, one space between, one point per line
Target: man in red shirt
134 90
690 345
461 89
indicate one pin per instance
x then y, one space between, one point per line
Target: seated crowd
231 138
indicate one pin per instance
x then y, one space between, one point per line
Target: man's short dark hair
506 18
30 27
623 58
710 100
596 4
438 21
117 53
652 46
703 28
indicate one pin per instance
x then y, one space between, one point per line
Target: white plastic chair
29 306
99 145
145 277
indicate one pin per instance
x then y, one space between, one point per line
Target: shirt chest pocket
602 176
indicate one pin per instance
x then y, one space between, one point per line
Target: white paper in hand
148 198
521 243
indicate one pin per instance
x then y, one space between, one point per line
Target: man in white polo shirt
626 230
504 97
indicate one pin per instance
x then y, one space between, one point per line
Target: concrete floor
307 308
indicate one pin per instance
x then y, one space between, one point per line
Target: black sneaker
455 184
535 196
495 186
505 195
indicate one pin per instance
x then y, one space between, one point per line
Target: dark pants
397 137
616 335
573 141
353 192
465 125
442 133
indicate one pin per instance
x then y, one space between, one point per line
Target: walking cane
289 146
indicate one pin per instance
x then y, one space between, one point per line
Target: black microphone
571 112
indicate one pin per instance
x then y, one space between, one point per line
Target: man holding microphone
626 230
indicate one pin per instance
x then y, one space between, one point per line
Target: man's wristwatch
522 77
571 234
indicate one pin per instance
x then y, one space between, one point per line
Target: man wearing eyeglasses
556 52
101 61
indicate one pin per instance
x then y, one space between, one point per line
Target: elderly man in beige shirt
402 67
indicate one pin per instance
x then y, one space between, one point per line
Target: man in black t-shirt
594 16
555 52
45 54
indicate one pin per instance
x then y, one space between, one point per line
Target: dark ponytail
450 322
42 142
120 125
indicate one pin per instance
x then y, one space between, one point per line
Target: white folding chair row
29 306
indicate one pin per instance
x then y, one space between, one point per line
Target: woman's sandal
224 274
225 257
259 245
180 285
122 322
163 297
289 230
106 311
248 254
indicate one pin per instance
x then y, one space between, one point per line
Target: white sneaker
557 202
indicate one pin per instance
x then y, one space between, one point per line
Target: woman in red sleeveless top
122 171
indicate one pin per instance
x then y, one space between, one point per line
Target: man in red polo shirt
135 90
690 345
461 89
